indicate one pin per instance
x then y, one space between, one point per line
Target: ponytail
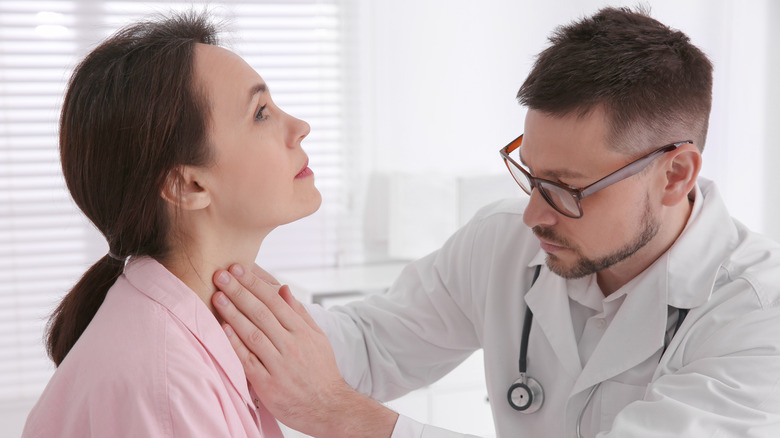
79 306
131 114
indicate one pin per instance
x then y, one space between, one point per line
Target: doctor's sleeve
423 327
408 428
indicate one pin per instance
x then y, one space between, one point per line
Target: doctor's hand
289 360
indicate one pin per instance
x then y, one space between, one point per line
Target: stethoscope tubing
585 406
523 359
526 334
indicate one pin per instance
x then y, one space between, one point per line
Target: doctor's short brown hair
646 76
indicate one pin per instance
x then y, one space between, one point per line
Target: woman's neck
195 262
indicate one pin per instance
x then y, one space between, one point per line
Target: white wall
446 72
772 151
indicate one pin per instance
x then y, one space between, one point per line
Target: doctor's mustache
549 235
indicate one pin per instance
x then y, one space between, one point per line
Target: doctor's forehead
558 171
571 146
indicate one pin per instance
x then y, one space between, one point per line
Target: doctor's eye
261 115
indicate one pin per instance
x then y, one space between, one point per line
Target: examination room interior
409 102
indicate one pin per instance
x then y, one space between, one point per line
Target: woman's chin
312 205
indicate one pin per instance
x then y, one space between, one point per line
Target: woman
174 149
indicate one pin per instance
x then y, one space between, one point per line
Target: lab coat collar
636 332
696 257
155 281
682 278
549 302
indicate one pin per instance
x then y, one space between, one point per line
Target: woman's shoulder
121 367
115 364
131 342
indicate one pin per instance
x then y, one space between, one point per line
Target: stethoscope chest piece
525 395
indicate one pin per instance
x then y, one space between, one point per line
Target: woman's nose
300 129
297 130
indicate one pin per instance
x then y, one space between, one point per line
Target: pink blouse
153 362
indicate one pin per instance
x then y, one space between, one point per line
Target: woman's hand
289 360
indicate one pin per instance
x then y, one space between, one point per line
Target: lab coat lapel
549 302
636 332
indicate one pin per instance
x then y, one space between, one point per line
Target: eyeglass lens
563 200
559 198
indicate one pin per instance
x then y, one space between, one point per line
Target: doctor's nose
539 212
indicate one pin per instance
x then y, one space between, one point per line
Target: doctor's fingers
253 296
296 305
264 275
255 369
267 340
288 297
256 324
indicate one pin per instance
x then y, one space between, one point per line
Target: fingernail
228 330
223 278
222 299
237 270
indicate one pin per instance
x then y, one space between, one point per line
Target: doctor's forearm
353 415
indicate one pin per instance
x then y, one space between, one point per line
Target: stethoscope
526 394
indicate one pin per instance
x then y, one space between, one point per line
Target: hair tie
116 257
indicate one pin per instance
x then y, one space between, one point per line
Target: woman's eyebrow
257 89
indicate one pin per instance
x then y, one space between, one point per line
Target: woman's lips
305 171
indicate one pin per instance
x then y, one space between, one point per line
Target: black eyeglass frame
578 193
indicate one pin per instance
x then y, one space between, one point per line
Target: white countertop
312 284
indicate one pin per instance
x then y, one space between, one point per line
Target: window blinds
45 243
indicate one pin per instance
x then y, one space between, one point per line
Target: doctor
654 314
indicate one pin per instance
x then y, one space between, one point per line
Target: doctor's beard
584 266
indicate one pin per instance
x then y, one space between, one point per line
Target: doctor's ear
682 169
183 189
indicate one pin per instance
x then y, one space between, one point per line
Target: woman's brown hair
132 114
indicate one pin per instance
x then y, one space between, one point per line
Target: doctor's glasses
565 199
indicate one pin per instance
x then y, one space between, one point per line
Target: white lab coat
720 375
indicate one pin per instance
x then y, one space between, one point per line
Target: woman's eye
260 115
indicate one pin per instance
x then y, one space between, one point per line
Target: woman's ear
183 189
681 173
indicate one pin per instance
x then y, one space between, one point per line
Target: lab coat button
600 323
